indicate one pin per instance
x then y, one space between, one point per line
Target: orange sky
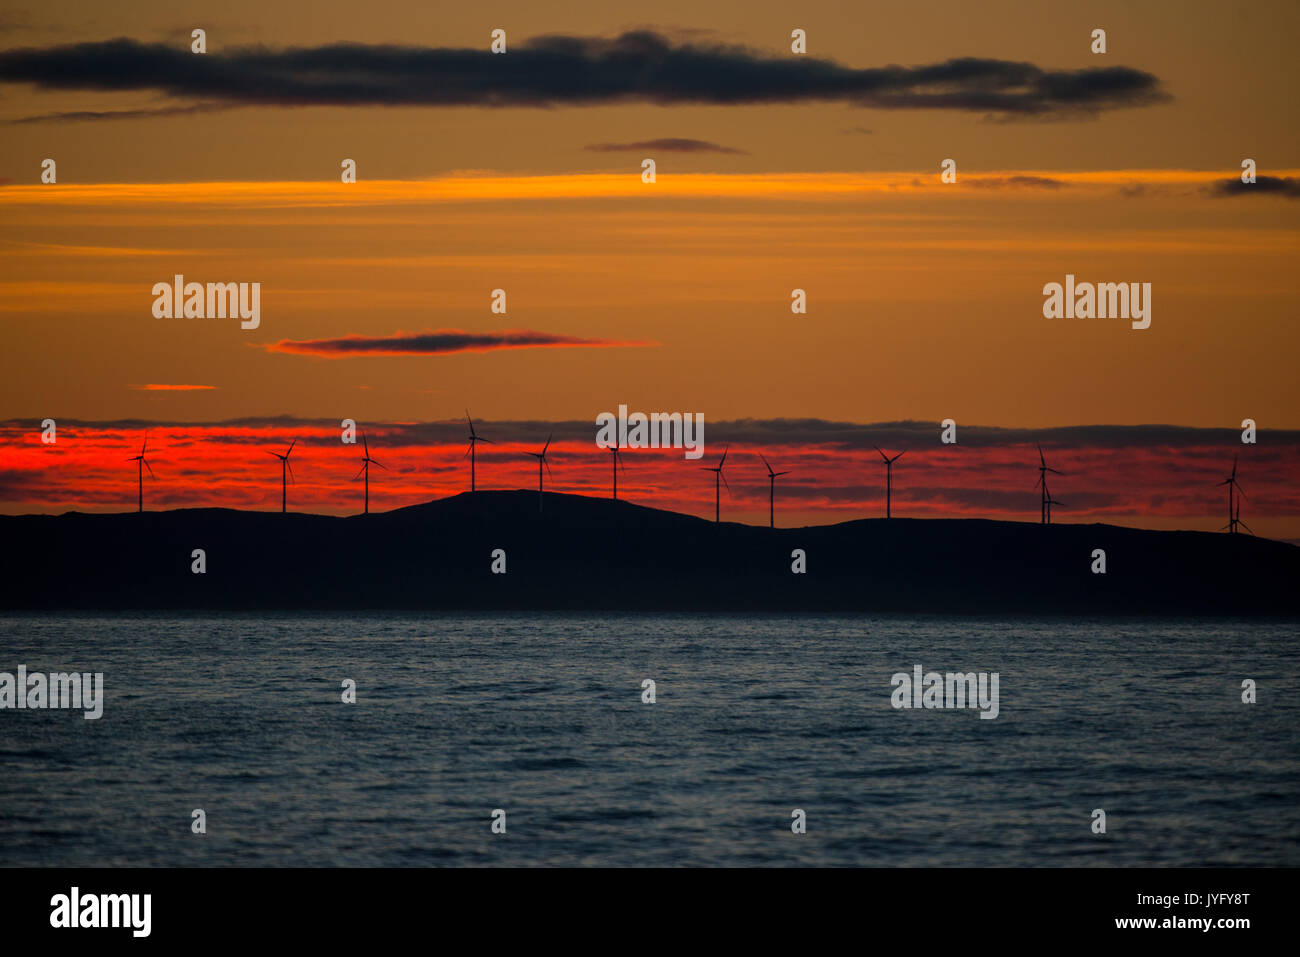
924 298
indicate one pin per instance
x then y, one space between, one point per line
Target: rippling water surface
542 716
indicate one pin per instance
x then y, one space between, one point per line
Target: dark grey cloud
1286 186
638 66
441 342
665 145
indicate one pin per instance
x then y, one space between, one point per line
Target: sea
530 740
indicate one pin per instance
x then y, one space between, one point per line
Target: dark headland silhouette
585 553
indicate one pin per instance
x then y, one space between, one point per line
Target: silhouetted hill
597 554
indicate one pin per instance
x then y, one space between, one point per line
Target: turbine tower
541 460
1239 521
889 480
618 464
771 492
366 462
142 463
719 480
1048 501
474 439
286 474
1045 499
1233 515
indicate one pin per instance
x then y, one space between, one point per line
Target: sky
775 171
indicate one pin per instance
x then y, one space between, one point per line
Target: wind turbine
1048 501
618 464
1045 503
142 463
285 467
541 460
889 479
718 481
1231 482
1239 521
474 439
366 462
771 492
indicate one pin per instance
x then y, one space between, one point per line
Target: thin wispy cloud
165 387
15 21
547 71
1016 182
667 145
440 342
99 115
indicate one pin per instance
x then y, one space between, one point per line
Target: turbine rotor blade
149 467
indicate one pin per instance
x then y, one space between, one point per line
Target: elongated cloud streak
567 70
441 342
83 115
667 145
165 387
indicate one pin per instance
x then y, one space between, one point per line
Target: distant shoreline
594 554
